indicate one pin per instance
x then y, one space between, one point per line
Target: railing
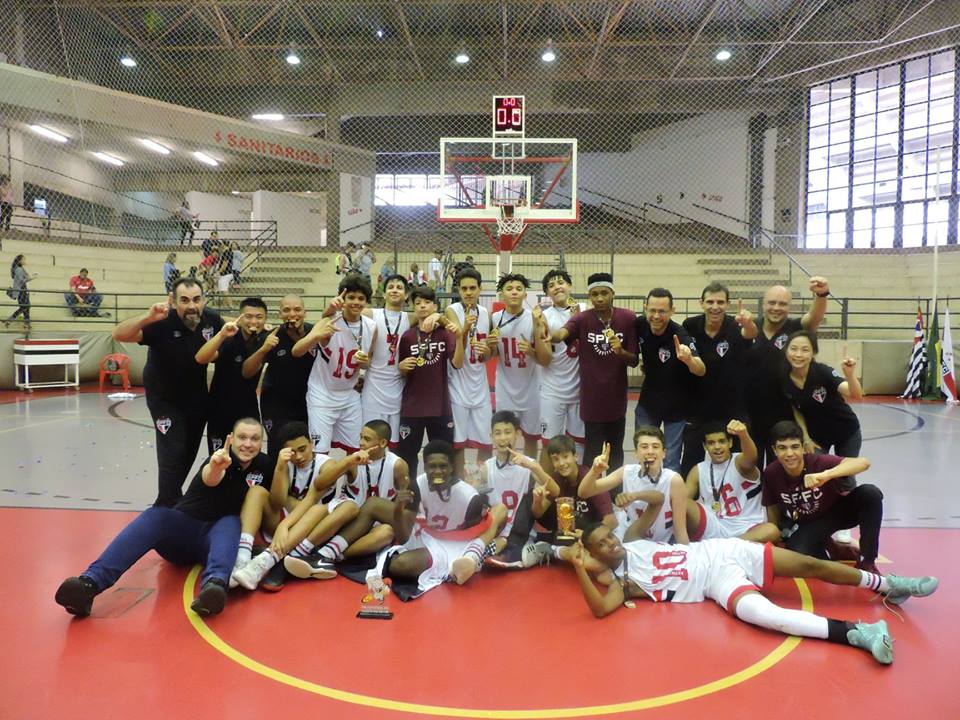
857 316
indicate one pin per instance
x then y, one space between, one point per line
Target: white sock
755 609
475 550
245 551
877 583
333 550
303 549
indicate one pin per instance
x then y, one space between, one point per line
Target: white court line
33 425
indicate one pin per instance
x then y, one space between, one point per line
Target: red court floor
506 645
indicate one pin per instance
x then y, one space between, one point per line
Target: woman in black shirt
819 394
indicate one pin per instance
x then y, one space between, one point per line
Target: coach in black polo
175 384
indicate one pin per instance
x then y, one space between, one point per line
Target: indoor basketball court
273 150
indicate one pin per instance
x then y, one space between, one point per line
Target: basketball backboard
536 177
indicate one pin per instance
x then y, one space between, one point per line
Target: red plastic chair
121 364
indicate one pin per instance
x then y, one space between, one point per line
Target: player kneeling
728 485
454 529
731 572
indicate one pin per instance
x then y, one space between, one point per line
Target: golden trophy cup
566 521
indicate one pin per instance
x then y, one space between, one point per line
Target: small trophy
566 521
373 605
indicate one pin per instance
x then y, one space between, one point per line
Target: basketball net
510 227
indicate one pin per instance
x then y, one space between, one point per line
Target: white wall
213 207
301 220
356 209
71 174
705 157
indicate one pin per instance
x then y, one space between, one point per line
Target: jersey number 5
671 561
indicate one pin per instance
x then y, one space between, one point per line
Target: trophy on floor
373 605
566 521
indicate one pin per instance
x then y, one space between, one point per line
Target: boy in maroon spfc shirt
608 346
423 362
816 495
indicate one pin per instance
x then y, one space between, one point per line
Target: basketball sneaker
874 638
250 575
537 553
903 588
275 579
76 595
211 599
311 566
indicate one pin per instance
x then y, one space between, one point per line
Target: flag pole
936 233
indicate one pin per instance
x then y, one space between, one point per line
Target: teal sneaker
875 638
902 588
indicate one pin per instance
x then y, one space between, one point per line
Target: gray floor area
86 451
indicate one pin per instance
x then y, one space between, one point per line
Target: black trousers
179 431
597 433
863 507
277 412
411 437
6 213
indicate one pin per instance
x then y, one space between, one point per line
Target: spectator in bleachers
170 272
83 298
211 244
19 291
416 276
365 260
186 220
236 262
435 272
345 262
6 202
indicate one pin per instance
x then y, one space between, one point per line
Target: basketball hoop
509 223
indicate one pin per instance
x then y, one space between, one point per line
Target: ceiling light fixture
205 159
49 134
109 159
462 58
292 57
127 61
234 192
380 34
723 55
155 146
267 116
549 54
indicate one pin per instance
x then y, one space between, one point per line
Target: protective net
747 142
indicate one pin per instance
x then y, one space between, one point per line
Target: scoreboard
509 114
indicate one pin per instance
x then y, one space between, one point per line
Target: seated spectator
211 244
83 298
170 272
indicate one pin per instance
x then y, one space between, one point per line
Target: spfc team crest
820 394
780 341
281 352
723 347
164 424
664 355
207 332
404 431
254 479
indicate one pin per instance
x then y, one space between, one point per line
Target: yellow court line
215 641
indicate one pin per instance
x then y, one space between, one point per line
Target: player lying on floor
730 572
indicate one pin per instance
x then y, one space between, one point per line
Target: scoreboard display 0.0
508 115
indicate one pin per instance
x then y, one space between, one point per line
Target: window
878 141
415 190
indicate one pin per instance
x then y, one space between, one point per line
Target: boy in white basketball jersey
374 485
638 482
453 532
343 347
728 485
519 341
306 489
560 379
469 387
509 478
732 572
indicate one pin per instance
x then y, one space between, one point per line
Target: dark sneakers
76 595
212 598
275 579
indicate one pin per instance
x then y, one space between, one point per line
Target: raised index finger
740 305
676 342
228 442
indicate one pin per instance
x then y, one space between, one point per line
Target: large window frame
877 143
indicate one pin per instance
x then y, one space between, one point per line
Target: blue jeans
90 306
672 434
177 538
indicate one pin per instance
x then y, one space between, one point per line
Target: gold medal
608 333
716 507
421 362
